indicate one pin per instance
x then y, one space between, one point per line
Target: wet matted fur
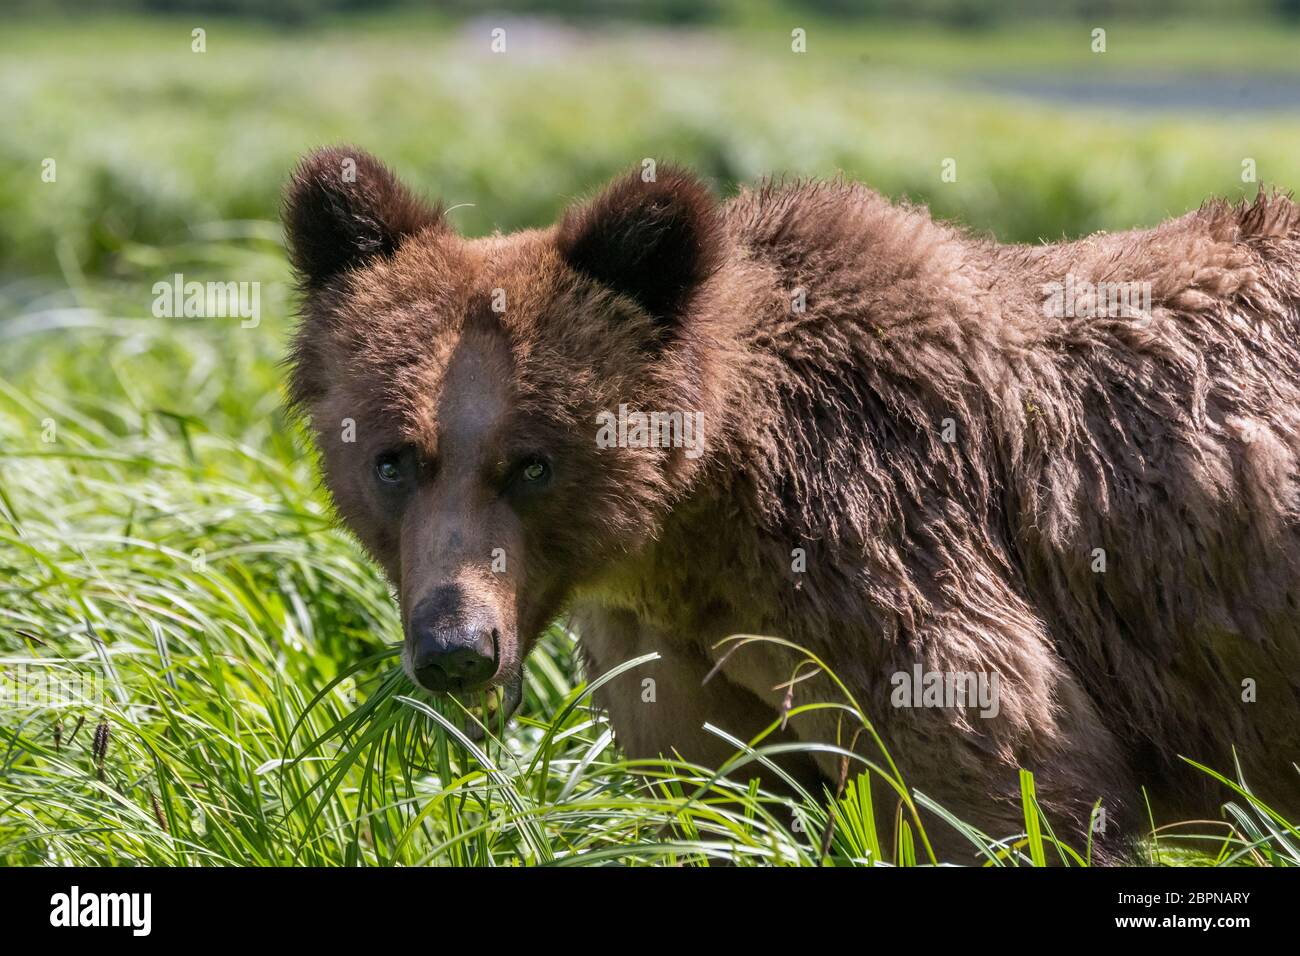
911 458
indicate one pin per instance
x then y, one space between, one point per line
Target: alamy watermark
133 911
683 430
28 683
175 298
952 689
1081 299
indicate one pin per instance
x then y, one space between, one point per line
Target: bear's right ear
344 207
655 241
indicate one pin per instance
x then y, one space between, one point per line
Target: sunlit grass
510 139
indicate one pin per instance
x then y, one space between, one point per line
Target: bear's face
455 390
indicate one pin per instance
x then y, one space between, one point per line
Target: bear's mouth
497 704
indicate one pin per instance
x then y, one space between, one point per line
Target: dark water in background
1194 93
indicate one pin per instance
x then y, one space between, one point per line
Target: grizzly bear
1060 480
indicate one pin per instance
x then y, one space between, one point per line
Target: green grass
160 523
198 138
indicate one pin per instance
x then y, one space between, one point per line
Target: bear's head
462 394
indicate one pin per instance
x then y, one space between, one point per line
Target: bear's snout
453 645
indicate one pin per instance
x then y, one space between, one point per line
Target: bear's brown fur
911 457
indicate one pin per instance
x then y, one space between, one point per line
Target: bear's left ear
342 208
655 242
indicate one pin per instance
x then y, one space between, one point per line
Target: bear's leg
660 708
967 764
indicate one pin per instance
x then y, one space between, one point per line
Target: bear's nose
458 668
452 650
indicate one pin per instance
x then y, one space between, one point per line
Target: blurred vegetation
152 140
954 13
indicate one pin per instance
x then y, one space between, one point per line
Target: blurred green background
169 160
150 485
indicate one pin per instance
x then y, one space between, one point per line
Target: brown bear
1068 475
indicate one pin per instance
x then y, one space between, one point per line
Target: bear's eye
388 467
535 470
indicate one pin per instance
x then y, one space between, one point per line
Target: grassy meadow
161 525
